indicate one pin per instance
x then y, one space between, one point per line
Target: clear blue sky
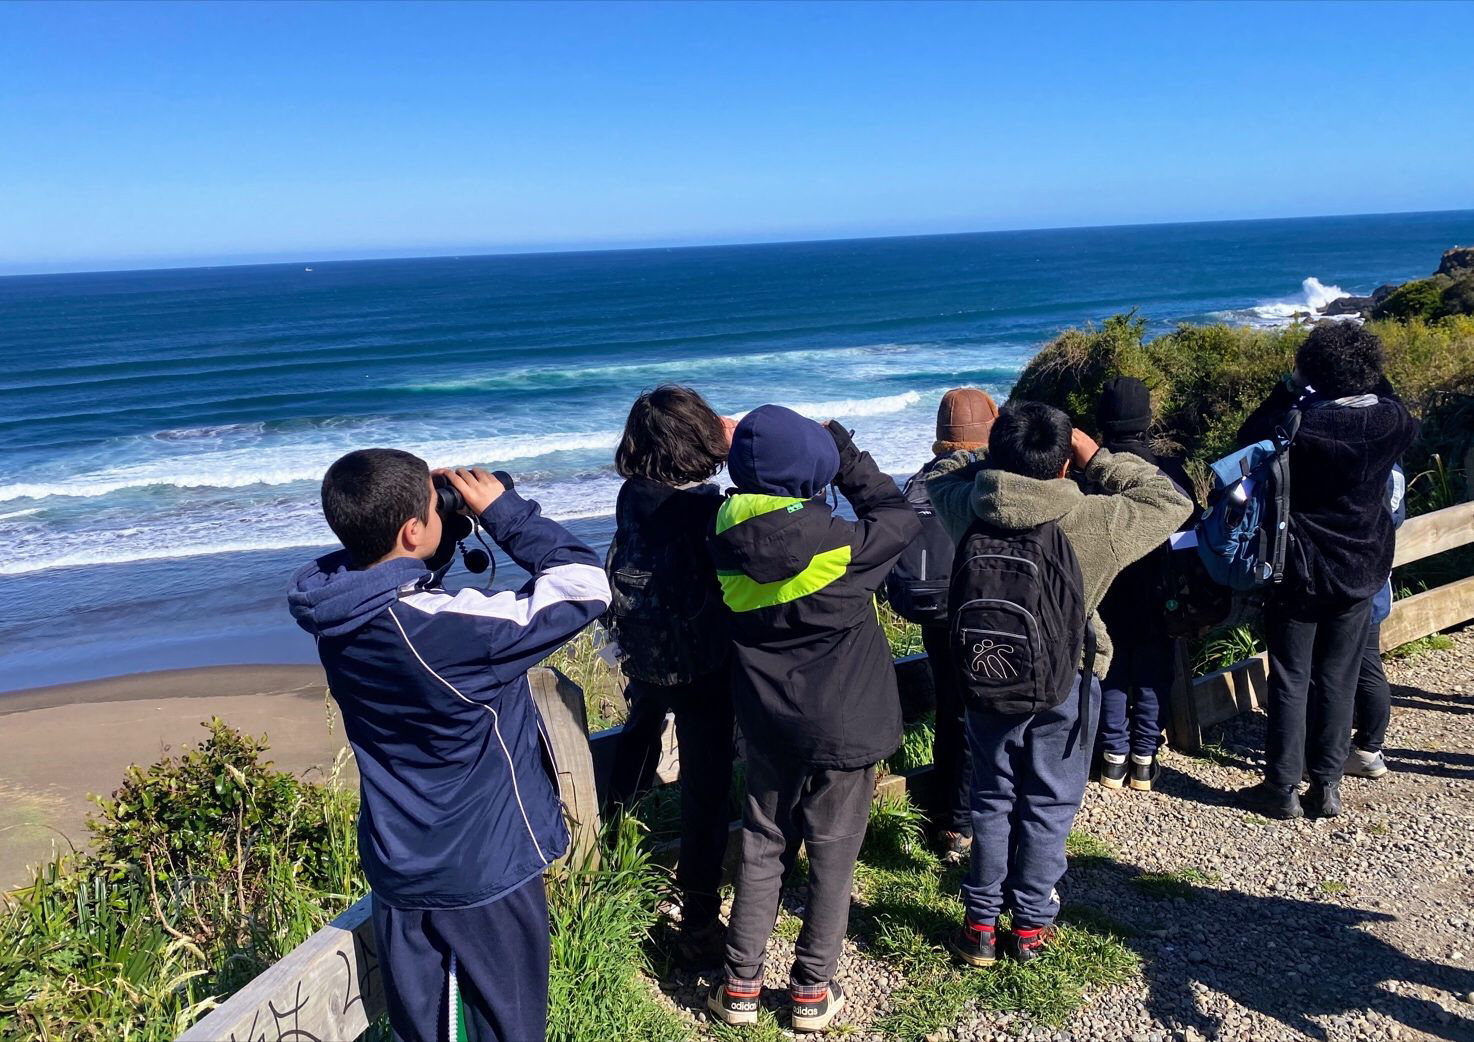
136 134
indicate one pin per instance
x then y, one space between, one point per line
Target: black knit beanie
1125 407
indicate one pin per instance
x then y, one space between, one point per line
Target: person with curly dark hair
1353 429
667 619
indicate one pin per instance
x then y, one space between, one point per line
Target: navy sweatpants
1133 695
1028 778
494 957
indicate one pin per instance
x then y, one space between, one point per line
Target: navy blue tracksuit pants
1133 695
1028 778
492 958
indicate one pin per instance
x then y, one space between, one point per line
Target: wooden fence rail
329 987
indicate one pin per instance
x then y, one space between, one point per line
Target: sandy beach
59 745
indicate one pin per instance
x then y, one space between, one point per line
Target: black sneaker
975 944
1026 945
1112 774
1322 801
815 1007
701 947
1270 803
955 848
1144 774
734 1001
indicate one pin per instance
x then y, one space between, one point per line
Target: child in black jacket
672 629
1352 430
814 687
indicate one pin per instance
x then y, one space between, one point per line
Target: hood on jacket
1015 502
641 500
777 452
770 538
330 598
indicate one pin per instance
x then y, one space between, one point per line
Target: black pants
703 710
485 967
1373 696
951 757
828 811
1315 654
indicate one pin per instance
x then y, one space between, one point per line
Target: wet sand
60 744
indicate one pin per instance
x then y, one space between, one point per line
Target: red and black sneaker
734 1001
1025 944
814 1006
975 944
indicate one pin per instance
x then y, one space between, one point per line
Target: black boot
1271 803
1323 800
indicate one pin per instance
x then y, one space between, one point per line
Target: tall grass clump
602 911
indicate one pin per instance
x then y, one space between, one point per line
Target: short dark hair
671 436
369 494
1339 359
1031 439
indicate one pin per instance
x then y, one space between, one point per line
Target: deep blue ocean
162 432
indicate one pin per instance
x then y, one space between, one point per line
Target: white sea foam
1314 297
287 463
850 408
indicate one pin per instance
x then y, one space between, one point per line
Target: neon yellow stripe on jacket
743 593
748 505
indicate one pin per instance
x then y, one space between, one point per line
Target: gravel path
1351 930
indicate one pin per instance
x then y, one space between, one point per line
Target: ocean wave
850 408
1314 297
288 464
546 377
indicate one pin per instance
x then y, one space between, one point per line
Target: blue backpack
1244 533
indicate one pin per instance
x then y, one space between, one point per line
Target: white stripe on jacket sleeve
560 584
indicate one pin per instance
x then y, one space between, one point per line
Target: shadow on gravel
1404 697
1284 958
1434 764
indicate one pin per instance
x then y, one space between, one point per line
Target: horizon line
477 252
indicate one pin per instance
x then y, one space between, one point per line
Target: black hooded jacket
814 681
1342 537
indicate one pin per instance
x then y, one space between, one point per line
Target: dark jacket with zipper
813 680
1341 534
1132 608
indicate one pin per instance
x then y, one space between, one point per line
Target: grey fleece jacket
1139 508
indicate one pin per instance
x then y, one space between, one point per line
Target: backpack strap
1086 674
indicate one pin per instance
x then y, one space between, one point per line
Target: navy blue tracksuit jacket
459 804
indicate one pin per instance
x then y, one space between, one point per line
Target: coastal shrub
205 869
1421 298
1071 369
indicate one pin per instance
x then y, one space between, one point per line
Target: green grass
916 746
1331 886
910 906
1422 646
1180 883
602 912
767 1029
1083 846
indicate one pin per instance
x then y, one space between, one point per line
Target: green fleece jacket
1136 509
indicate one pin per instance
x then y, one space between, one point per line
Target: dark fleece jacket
1342 537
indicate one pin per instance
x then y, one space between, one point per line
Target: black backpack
665 611
1018 619
917 584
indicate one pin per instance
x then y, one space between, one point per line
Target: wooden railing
329 987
